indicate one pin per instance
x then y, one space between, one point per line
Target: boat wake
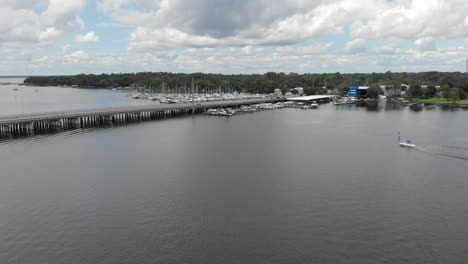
455 147
445 151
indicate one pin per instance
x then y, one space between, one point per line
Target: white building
300 90
392 91
278 92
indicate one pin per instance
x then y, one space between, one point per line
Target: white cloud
304 50
390 46
20 23
49 34
238 36
425 43
414 19
231 60
355 46
65 48
206 23
88 37
251 50
76 56
62 13
180 23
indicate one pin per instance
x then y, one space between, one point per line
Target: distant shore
441 101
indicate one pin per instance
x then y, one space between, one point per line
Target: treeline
254 83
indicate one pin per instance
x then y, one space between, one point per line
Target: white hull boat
407 144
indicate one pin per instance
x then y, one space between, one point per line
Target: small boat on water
313 105
407 144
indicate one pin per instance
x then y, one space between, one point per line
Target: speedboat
407 144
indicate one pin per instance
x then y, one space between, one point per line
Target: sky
56 37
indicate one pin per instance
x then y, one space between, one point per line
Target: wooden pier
39 123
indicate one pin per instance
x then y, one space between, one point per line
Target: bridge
26 124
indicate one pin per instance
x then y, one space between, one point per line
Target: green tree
374 91
431 91
260 83
343 89
416 91
454 95
445 90
309 91
462 94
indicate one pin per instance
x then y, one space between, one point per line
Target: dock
40 123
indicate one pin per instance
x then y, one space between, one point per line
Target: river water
16 99
286 186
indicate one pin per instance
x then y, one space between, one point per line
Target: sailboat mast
193 100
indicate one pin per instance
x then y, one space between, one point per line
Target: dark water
286 186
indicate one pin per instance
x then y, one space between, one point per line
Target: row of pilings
63 124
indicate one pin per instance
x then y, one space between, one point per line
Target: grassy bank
436 100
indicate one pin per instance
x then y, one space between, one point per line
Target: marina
244 109
174 98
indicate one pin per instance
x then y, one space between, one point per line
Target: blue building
353 91
358 91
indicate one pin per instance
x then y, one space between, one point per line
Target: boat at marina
136 96
343 101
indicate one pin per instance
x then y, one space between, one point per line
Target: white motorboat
136 96
407 144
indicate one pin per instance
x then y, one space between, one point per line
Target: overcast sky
232 36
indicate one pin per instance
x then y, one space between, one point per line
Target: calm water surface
31 99
288 186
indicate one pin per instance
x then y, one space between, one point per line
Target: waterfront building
358 91
278 92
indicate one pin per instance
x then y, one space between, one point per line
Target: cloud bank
234 36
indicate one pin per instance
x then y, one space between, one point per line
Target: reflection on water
416 107
376 106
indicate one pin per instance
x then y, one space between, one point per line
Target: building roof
310 98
